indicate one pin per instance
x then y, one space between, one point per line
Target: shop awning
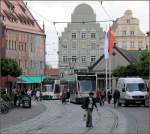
31 79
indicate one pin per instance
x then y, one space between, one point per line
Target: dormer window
128 21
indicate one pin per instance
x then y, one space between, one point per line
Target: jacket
86 103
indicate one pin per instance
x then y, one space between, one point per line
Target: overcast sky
52 11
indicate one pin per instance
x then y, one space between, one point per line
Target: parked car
132 91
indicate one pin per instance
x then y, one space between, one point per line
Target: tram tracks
114 124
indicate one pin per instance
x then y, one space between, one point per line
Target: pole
110 73
106 62
41 83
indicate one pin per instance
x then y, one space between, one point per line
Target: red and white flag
111 40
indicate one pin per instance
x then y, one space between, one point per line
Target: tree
143 65
119 71
10 67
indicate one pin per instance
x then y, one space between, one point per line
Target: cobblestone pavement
18 115
58 118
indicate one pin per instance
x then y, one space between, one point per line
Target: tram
51 88
80 85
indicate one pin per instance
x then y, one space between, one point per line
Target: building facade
81 42
23 39
128 34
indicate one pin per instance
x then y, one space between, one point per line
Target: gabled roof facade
15 15
120 57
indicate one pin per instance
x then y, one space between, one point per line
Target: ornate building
81 42
128 34
22 38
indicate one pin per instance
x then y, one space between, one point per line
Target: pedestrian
68 95
29 92
109 96
63 96
89 104
41 96
98 97
116 97
103 97
37 95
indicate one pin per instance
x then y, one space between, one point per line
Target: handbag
83 106
85 115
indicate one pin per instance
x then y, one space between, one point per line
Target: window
65 59
93 45
12 45
9 44
31 47
25 46
83 35
123 44
15 45
83 59
132 44
131 33
74 36
19 62
25 64
73 44
123 33
31 64
41 64
93 35
93 58
128 21
74 58
140 44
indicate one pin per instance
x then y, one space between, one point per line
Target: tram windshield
87 83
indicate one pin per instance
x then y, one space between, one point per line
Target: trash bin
26 101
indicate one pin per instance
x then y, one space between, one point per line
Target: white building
128 34
81 43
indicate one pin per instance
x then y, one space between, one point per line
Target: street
53 117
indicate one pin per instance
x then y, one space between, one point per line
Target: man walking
116 97
90 102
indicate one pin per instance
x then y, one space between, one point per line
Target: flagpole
110 73
106 62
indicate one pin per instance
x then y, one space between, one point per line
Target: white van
132 91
